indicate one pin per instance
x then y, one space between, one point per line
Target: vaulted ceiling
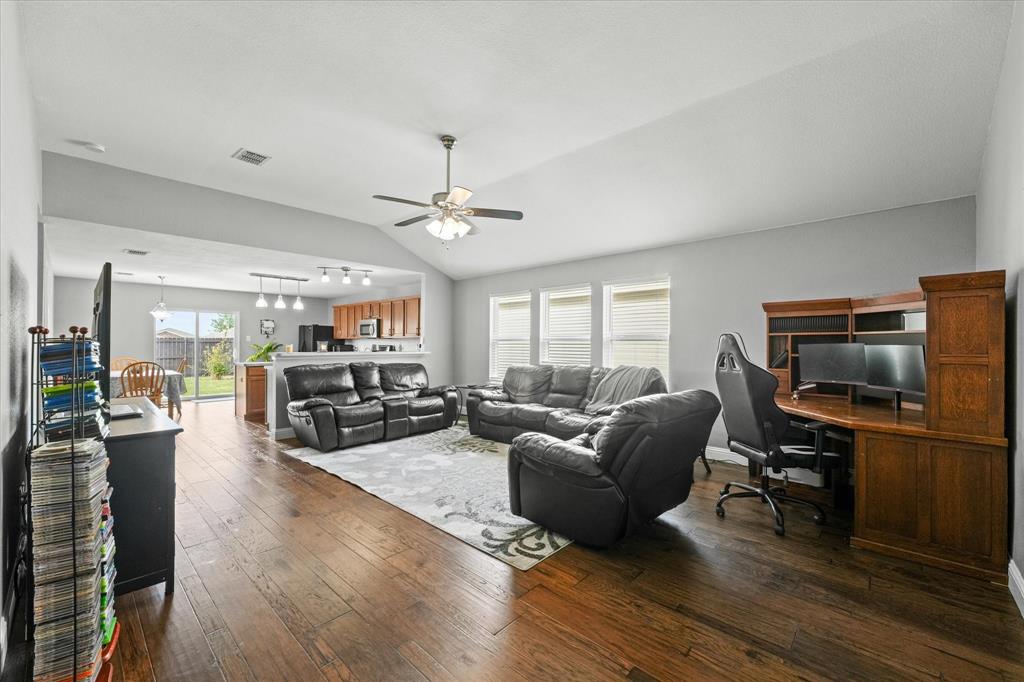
614 126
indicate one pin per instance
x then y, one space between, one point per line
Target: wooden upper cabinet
398 317
412 316
965 353
353 321
364 311
340 322
385 319
375 310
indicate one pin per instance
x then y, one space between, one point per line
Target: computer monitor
899 368
833 363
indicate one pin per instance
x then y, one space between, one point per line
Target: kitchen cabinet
399 318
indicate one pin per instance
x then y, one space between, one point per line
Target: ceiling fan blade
473 229
402 201
459 196
494 213
410 221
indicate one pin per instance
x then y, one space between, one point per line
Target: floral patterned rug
451 480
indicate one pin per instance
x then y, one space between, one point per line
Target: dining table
174 386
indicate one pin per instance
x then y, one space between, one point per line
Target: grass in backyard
209 386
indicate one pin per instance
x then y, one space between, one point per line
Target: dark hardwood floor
287 573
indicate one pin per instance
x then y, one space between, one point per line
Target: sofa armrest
489 394
307 404
437 390
556 454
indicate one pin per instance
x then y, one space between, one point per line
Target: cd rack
70 542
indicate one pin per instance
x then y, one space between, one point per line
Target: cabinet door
386 328
412 316
353 321
375 310
398 317
340 322
364 311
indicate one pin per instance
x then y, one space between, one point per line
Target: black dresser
141 471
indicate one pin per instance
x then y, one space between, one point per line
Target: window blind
637 324
565 326
510 333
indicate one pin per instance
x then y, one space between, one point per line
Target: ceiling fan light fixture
434 227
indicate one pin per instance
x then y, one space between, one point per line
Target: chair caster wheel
720 511
780 530
819 519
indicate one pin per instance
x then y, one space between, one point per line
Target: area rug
451 480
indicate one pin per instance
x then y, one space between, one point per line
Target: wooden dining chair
121 361
183 365
145 379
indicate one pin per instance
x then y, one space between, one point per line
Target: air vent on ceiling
248 156
135 252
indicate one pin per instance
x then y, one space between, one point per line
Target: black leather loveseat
626 470
345 404
555 399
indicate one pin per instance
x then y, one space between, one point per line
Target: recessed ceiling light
135 252
95 147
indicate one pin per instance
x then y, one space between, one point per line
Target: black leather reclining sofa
345 404
552 399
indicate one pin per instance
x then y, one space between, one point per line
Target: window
636 324
565 326
510 333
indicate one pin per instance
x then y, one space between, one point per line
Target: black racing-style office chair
756 426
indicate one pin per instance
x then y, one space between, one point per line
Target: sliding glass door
202 346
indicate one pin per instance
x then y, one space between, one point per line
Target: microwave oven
369 329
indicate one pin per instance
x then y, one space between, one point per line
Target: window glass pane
565 326
510 333
637 324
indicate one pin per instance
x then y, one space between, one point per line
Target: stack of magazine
72 527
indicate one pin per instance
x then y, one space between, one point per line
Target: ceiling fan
448 214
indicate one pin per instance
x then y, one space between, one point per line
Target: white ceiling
79 249
614 126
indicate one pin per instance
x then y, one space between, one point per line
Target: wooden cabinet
965 357
399 318
251 393
412 316
937 501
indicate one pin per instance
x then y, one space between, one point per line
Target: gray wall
19 273
99 193
719 285
1001 246
132 328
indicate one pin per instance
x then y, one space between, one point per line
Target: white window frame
494 339
608 338
545 336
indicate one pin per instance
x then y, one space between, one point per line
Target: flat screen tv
101 327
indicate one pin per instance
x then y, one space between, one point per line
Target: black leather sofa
625 471
345 404
552 399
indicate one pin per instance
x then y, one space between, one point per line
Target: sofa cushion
568 385
567 423
529 416
527 383
596 375
433 404
403 378
333 382
367 379
357 415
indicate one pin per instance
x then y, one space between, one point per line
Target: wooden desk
141 471
934 497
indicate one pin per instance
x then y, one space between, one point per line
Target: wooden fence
170 350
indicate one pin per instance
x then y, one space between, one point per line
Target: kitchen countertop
254 364
339 355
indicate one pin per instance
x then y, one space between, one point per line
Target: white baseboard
281 434
1016 582
805 476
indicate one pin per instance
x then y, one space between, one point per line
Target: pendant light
298 305
279 304
261 302
366 278
325 278
160 311
346 279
